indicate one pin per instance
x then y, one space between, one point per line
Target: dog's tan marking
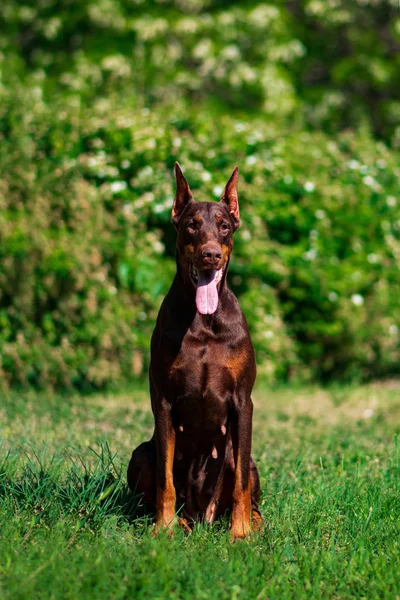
189 250
241 509
166 496
226 250
236 364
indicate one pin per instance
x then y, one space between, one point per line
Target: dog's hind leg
142 471
256 518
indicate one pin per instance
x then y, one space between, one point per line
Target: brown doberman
202 371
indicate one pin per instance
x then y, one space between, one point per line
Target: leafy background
98 98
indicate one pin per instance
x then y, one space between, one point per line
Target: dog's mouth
206 282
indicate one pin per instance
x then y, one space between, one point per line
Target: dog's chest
200 392
203 367
202 381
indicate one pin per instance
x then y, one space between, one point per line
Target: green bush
348 74
87 249
97 101
329 63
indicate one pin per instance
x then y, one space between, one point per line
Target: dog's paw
240 531
256 520
183 524
163 526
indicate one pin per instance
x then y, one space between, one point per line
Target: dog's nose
211 253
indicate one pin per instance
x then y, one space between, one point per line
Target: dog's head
204 238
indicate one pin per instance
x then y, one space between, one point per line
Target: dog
202 371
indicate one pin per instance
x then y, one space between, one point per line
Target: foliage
97 101
69 528
159 50
87 248
332 63
347 76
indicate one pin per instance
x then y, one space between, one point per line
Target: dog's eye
191 227
224 228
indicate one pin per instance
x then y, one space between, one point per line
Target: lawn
329 466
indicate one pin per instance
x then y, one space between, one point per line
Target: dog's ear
182 197
230 197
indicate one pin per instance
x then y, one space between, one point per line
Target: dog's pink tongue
206 293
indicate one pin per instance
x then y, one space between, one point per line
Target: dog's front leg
165 443
241 440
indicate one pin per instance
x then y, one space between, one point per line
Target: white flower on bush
368 180
357 299
393 330
203 49
391 201
310 254
158 247
231 52
263 15
373 258
244 74
92 161
333 296
117 64
353 164
268 334
118 186
309 186
146 198
217 190
251 160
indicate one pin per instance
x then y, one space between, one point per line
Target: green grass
329 466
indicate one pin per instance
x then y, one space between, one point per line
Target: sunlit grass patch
329 464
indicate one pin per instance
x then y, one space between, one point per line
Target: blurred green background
98 98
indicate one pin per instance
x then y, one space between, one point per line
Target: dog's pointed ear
182 197
230 197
